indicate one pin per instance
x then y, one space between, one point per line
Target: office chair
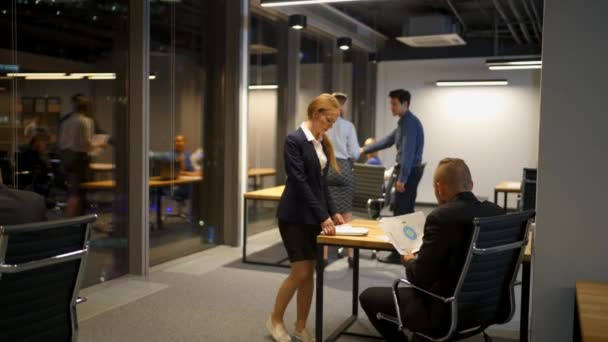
368 196
528 190
41 268
484 295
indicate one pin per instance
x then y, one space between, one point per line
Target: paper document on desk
405 232
347 229
97 140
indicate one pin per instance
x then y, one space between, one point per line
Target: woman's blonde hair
322 104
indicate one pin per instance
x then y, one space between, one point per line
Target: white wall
494 129
261 140
571 230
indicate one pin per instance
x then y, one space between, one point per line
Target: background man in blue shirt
408 138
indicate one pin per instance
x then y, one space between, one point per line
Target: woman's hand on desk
338 219
328 227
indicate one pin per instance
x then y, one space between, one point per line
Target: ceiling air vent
431 31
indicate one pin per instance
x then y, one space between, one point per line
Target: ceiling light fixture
57 78
277 3
263 87
344 43
514 64
26 74
109 77
471 83
94 74
514 67
297 21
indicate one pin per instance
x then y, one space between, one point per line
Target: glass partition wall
262 123
52 53
178 44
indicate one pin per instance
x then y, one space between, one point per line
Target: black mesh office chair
368 196
528 189
41 266
484 295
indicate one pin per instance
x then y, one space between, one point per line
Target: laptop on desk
163 166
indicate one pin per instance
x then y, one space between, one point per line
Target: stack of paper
347 229
405 232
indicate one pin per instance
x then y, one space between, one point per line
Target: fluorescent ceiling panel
300 2
471 83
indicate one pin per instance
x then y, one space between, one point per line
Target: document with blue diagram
404 232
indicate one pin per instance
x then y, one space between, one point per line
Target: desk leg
525 302
319 306
506 196
356 281
495 197
245 230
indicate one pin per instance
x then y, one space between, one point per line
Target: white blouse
317 144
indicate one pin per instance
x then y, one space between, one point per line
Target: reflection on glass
263 105
177 63
50 41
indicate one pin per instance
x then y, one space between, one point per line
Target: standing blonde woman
305 211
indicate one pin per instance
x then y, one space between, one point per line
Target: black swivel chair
41 267
528 189
368 194
484 295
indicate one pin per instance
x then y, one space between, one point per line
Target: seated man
437 266
18 207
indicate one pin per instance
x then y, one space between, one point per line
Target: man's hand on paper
407 257
328 227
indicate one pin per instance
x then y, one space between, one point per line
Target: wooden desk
258 173
102 167
154 182
592 311
269 194
375 240
507 187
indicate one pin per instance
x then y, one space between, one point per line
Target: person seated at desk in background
18 207
34 159
438 264
184 158
372 158
181 193
35 127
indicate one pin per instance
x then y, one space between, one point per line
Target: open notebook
347 229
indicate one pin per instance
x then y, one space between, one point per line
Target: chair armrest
408 284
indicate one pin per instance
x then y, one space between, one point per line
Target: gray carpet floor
206 299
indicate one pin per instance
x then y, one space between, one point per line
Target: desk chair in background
41 267
369 194
528 190
484 295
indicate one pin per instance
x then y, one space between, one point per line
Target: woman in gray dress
346 146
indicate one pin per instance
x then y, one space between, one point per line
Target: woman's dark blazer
306 197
